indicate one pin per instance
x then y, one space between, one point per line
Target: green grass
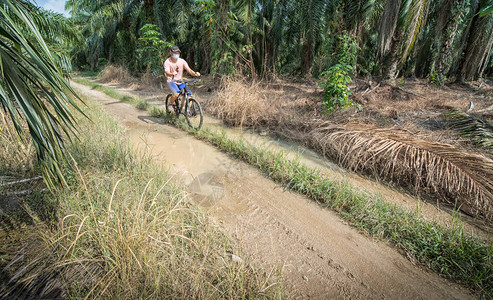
142 105
122 230
448 251
111 92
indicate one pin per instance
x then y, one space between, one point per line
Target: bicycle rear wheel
193 114
175 106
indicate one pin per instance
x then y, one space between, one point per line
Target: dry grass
120 75
123 230
243 104
16 156
117 74
149 81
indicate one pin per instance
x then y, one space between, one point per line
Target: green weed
142 105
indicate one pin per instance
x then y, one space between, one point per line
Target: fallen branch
23 193
409 92
21 181
369 90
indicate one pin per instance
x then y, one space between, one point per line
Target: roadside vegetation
121 228
450 173
447 250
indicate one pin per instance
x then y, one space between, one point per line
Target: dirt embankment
320 256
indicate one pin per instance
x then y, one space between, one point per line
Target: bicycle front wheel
193 114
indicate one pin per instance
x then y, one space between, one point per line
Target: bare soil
321 257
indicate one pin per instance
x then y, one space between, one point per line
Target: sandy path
321 257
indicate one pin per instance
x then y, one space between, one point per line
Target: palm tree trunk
448 25
390 61
389 40
222 9
149 10
486 59
388 25
110 54
307 55
478 48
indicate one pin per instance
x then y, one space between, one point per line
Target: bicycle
187 106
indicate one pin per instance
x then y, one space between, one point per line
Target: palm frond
32 87
461 178
413 16
480 131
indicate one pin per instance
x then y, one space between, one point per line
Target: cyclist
173 67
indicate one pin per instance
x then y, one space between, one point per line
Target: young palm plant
33 90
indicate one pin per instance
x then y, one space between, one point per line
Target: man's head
175 51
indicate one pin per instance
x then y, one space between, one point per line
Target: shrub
336 79
152 49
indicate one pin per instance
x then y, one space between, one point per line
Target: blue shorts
176 88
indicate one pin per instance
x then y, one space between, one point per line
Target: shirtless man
173 67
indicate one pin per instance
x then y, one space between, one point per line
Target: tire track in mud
283 235
321 257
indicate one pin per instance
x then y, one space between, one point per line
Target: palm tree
478 44
312 16
100 21
401 23
446 32
33 90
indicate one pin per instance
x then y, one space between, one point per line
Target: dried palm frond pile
118 74
243 104
480 131
459 177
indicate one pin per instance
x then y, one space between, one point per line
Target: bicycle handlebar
187 81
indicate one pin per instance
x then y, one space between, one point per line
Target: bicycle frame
185 91
192 108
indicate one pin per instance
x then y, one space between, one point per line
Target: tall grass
113 73
124 230
242 104
16 158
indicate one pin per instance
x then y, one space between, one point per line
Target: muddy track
321 257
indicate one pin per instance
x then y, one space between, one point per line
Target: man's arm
190 71
167 71
170 74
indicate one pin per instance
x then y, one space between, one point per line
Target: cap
175 48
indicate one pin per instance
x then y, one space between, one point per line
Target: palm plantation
113 226
293 37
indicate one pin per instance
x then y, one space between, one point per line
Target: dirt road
321 257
